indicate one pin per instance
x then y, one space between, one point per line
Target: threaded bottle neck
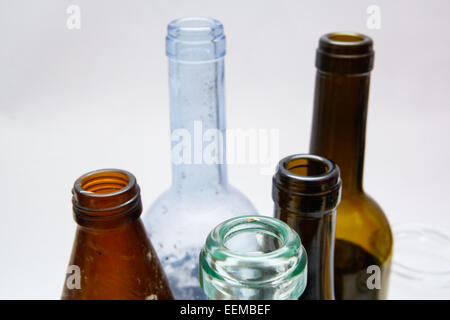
106 198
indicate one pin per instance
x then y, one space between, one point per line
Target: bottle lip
105 196
307 183
343 42
330 171
224 267
205 28
128 181
345 53
327 178
195 39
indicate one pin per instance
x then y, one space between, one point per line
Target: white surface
73 101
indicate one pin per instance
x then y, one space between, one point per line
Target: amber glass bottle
363 234
112 257
306 191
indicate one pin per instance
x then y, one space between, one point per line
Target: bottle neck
105 199
339 124
197 113
306 191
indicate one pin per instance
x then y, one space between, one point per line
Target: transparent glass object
200 197
253 258
421 263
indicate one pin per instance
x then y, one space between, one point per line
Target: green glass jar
253 258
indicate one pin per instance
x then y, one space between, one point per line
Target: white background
76 100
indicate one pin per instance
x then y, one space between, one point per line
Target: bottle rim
328 169
194 24
345 53
307 183
86 184
103 197
195 40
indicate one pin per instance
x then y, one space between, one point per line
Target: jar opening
253 257
422 255
253 238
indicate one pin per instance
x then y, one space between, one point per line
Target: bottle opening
307 183
105 193
253 238
105 182
307 167
195 24
194 29
345 37
345 53
195 39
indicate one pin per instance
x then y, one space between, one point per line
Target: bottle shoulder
361 220
177 211
361 204
180 222
202 198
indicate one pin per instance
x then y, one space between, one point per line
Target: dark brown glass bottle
363 234
112 257
306 191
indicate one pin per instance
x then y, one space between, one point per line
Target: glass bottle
112 257
200 197
253 258
306 192
364 239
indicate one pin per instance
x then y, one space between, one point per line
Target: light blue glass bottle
200 197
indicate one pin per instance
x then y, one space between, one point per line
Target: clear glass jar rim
216 250
424 240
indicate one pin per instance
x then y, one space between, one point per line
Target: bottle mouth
253 257
347 38
105 193
193 39
195 29
103 182
345 53
307 167
307 183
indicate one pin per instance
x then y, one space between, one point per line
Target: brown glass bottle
306 191
112 257
363 234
